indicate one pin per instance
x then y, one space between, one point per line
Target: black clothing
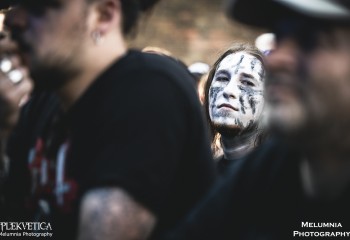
139 127
262 198
223 164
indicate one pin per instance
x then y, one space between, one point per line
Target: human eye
247 82
222 78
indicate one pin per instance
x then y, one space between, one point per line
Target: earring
96 37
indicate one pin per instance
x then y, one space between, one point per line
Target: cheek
250 100
259 107
329 74
328 95
254 105
213 95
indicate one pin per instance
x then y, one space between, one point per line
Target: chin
227 130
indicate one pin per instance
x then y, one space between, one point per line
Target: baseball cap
265 13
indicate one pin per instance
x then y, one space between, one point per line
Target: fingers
11 92
15 87
15 84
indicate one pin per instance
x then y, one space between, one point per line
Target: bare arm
111 213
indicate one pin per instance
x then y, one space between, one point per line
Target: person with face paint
112 144
234 102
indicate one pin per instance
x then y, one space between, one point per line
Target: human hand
15 85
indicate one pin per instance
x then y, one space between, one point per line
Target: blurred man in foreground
112 144
297 184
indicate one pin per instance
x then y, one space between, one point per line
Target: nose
231 89
285 57
16 18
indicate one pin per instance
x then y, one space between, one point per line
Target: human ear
109 15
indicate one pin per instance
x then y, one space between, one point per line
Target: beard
52 77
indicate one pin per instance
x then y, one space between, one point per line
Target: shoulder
154 68
155 79
156 62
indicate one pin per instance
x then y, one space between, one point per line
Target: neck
238 146
325 174
95 61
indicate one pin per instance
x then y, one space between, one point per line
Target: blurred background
192 30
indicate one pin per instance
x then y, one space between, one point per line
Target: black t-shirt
223 164
139 126
262 198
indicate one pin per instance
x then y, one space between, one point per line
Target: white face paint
236 92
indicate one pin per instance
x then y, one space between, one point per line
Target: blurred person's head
198 70
266 42
201 87
308 88
234 91
164 52
59 39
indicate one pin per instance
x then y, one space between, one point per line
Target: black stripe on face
238 66
250 94
241 100
261 75
252 103
240 123
213 94
253 63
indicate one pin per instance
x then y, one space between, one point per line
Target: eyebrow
247 75
261 75
223 72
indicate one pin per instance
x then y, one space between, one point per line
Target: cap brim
264 13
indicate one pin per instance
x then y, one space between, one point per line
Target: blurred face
51 36
308 90
236 92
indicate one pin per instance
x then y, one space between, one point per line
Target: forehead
241 60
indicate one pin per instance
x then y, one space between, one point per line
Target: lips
226 105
